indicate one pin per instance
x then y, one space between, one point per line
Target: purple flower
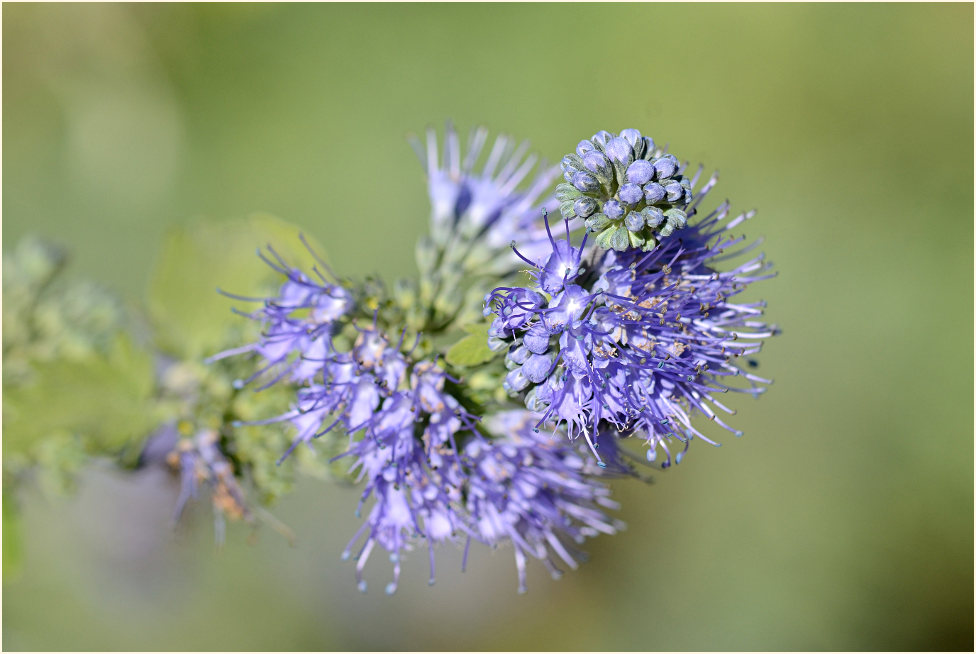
643 340
535 492
414 498
406 451
490 207
631 334
402 426
199 461
298 323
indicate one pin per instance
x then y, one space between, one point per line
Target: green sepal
597 221
639 149
620 239
620 171
603 238
677 218
575 161
606 178
566 209
565 192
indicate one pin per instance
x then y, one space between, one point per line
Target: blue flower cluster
637 340
476 213
628 334
532 491
422 456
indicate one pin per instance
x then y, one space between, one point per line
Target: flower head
535 492
200 462
643 339
485 207
402 426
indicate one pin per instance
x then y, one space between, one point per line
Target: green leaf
472 350
107 401
191 319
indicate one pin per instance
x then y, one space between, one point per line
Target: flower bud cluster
631 194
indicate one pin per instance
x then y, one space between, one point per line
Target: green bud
36 260
597 221
677 218
427 289
566 209
448 302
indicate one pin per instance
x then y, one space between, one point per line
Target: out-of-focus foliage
74 381
192 322
13 545
77 385
105 400
842 520
48 316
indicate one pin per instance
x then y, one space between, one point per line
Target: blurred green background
842 520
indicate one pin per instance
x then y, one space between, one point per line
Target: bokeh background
842 520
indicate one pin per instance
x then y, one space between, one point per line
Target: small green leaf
190 317
472 350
